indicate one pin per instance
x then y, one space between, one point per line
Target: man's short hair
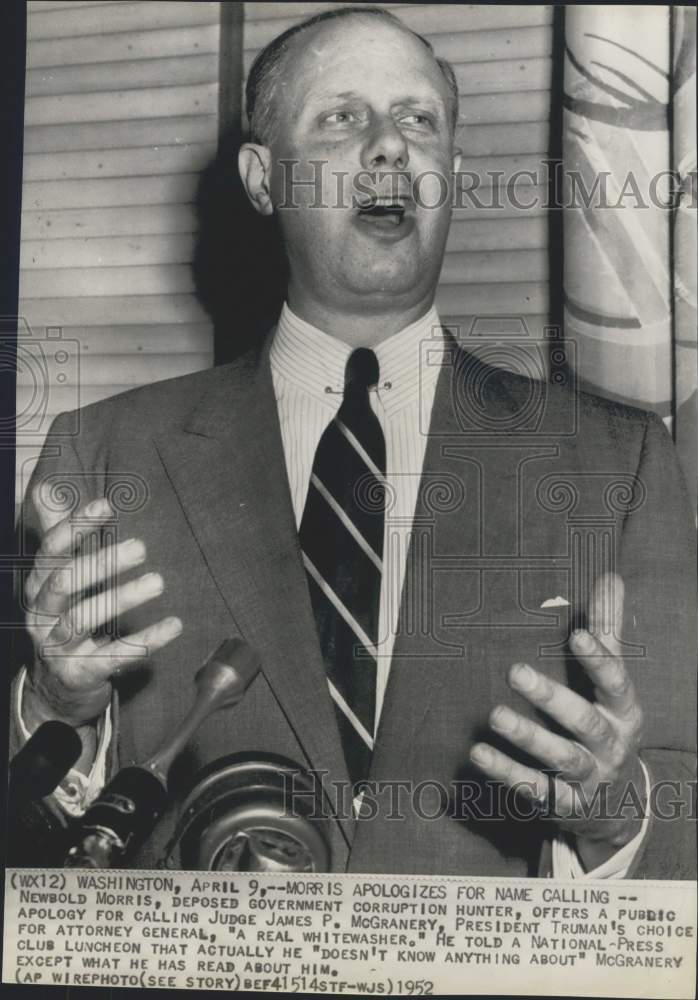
266 69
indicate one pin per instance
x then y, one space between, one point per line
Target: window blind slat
143 16
498 203
126 45
115 221
118 162
123 369
168 189
507 299
505 76
493 139
97 342
502 43
529 106
40 5
111 251
519 169
106 310
161 72
164 102
173 131
68 282
494 266
476 234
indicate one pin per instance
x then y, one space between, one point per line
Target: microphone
126 812
43 762
33 829
251 811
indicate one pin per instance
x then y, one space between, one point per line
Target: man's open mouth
383 212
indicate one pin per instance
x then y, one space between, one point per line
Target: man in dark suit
415 638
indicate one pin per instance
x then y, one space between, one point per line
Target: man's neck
359 328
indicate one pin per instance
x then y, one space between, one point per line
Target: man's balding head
354 118
266 75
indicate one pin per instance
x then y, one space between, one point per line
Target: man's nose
385 146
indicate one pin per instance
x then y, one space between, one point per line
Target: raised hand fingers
81 690
613 687
112 657
83 619
570 759
574 713
599 649
85 572
605 611
60 541
534 784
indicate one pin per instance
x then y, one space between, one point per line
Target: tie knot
362 371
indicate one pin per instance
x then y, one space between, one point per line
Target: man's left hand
601 754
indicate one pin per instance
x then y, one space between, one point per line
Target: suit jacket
528 491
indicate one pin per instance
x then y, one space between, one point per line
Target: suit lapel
425 660
227 467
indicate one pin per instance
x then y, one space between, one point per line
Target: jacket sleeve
657 563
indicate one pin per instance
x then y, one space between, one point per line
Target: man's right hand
70 595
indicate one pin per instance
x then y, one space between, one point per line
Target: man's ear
254 164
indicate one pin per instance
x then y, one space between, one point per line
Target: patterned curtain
685 274
629 152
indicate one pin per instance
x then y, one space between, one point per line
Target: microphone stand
126 812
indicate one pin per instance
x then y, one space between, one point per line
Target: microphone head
44 760
228 672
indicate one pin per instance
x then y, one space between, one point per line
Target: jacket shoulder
567 404
158 405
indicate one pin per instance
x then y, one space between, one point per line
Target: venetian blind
121 114
496 263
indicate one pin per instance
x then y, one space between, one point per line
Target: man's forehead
345 53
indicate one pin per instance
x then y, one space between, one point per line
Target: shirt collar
409 360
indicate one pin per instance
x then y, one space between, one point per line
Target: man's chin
387 275
380 288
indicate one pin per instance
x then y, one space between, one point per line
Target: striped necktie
341 536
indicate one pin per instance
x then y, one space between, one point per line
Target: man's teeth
392 214
380 208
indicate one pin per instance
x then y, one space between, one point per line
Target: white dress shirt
307 367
